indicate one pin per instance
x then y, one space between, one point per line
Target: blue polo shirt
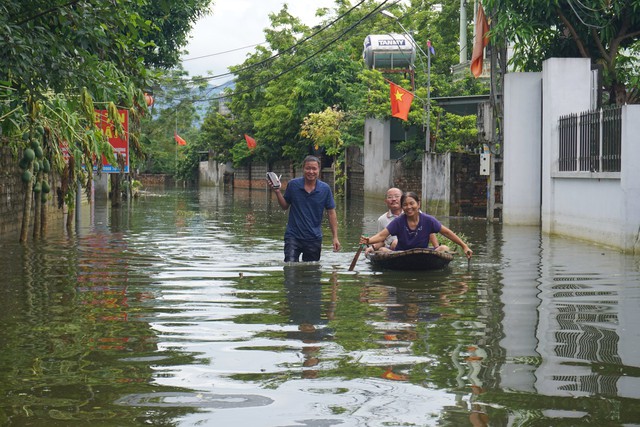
306 210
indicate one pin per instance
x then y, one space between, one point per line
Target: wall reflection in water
582 324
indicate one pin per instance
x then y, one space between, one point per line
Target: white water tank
389 51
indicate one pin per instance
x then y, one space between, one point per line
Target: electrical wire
222 53
575 12
293 67
291 48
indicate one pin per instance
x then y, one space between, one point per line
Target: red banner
120 143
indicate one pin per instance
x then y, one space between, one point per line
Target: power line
197 79
222 53
575 12
306 59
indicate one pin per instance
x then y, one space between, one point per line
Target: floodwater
177 310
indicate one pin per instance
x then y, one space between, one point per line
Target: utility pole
463 31
498 61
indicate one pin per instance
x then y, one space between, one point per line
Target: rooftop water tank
389 51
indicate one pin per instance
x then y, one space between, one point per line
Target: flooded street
177 310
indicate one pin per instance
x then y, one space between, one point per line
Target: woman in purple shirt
414 227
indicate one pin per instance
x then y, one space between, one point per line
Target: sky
233 25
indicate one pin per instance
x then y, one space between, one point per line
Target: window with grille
590 141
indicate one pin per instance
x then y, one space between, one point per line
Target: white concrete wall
211 173
566 87
436 193
589 209
522 149
600 208
377 167
630 177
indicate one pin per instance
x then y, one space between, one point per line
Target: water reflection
587 333
308 312
178 310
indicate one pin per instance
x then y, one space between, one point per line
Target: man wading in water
307 198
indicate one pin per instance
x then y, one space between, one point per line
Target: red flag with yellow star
400 101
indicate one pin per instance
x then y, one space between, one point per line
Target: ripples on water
178 311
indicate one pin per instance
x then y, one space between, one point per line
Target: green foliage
169 25
629 72
604 32
324 130
240 153
291 78
175 111
61 60
218 135
187 163
376 104
455 133
443 240
322 72
61 45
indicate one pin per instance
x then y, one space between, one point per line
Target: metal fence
591 141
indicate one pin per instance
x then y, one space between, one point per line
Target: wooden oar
355 258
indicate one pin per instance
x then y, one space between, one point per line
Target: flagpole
428 137
388 14
176 133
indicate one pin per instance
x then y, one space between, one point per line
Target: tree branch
46 12
601 48
615 41
581 47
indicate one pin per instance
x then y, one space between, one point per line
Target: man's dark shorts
310 249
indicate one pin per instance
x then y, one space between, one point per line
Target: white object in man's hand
273 179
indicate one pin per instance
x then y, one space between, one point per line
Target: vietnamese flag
481 41
400 101
179 140
251 143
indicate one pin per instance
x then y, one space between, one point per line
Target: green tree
217 136
324 130
61 59
276 91
455 133
175 111
302 71
170 22
606 32
266 106
432 21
